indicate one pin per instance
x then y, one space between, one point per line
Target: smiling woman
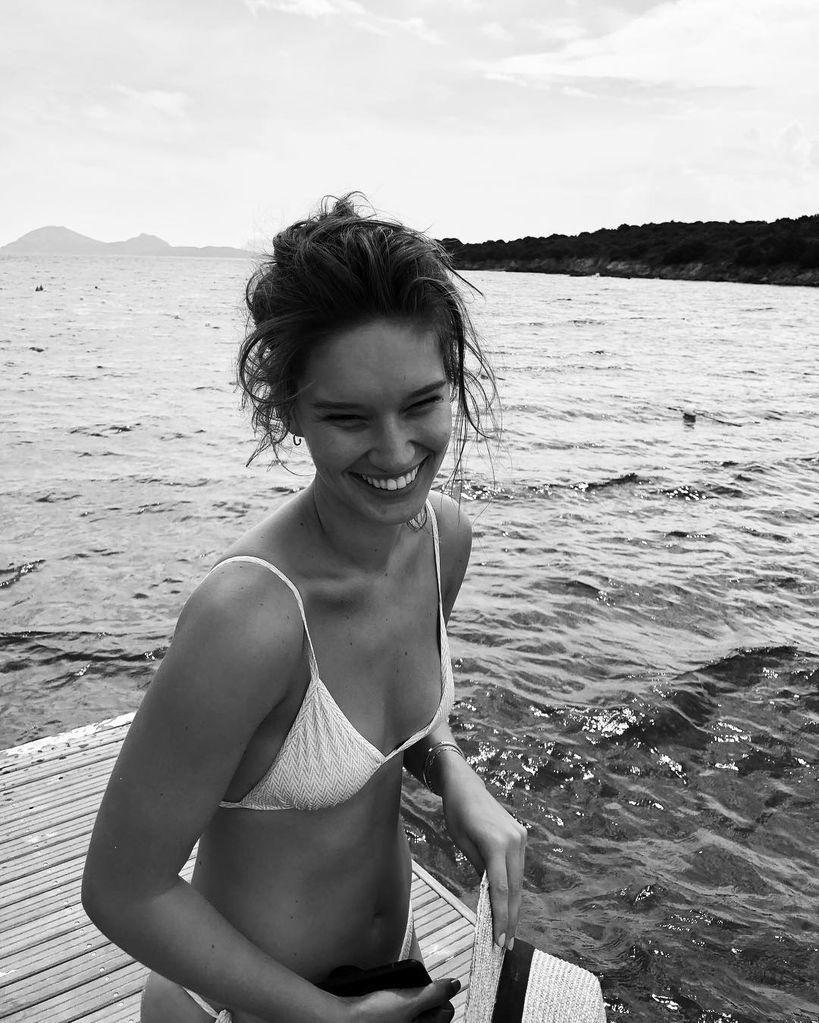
339 270
376 417
279 745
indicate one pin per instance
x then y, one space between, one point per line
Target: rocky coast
784 252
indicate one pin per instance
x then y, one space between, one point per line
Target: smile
390 482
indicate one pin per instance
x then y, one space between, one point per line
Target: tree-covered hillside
783 252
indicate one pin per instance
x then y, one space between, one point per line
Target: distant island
754 252
60 241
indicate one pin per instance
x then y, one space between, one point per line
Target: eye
344 419
420 406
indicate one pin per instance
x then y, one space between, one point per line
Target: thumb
435 994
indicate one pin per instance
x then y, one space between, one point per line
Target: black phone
350 981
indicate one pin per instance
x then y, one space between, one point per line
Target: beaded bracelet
432 755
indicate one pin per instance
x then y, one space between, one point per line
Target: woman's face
374 409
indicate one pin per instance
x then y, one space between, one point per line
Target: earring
296 440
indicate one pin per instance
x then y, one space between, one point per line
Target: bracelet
432 755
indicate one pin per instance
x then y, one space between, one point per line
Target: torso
309 887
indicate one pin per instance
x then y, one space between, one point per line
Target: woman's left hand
491 839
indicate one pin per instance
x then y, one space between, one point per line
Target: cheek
440 428
334 447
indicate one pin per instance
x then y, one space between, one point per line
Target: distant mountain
60 241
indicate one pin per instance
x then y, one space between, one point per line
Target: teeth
391 482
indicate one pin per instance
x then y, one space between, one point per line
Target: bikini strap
435 544
292 587
225 1016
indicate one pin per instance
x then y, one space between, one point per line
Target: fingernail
456 986
511 944
502 940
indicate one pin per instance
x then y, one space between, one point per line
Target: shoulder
241 591
241 603
454 526
455 543
239 639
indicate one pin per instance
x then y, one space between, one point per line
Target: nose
393 450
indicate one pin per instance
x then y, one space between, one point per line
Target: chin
392 507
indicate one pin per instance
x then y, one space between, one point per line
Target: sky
220 121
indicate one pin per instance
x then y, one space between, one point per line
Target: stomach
314 889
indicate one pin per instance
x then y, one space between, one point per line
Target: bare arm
489 837
455 539
237 647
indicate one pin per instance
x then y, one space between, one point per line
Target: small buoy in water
39 288
689 418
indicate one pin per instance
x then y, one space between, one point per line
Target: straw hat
526 985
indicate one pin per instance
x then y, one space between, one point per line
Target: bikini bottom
225 1015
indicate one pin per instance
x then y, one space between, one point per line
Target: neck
358 546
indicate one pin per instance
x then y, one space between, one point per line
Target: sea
636 644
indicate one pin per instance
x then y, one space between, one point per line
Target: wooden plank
26 853
435 909
125 1011
56 967
73 1005
439 943
26 962
58 978
443 892
41 881
50 749
14 775
44 857
27 935
31 905
52 819
36 800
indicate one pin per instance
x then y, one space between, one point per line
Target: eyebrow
326 406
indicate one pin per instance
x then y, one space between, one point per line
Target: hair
339 269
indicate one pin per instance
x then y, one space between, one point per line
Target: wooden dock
55 966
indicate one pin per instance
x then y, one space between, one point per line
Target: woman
311 664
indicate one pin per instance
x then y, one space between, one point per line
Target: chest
378 652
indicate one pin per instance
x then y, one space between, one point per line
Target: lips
390 482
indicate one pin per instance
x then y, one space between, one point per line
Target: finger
434 995
497 874
514 865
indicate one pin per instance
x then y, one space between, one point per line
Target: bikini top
324 760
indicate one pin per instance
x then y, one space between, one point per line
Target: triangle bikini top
324 760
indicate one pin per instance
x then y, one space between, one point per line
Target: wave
102 430
13 574
40 647
689 712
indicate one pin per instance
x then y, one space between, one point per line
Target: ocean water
636 644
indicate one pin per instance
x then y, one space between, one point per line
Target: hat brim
526 985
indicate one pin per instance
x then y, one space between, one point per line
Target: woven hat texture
526 985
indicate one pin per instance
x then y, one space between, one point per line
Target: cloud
171 104
355 13
307 8
414 26
797 148
494 30
691 44
558 30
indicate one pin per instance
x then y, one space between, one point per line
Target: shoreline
781 276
